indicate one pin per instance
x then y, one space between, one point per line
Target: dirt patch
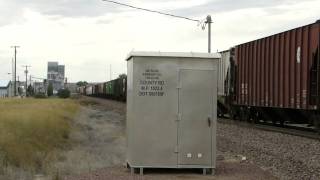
99 140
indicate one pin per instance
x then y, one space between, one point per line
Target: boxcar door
196 103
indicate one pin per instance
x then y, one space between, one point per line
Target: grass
31 130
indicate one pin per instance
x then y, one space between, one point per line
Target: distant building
7 88
4 87
39 87
55 75
20 88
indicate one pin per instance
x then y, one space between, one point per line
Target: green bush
64 93
40 95
50 89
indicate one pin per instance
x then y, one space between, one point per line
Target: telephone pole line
26 71
200 22
15 69
209 22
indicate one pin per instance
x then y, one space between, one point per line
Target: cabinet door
196 98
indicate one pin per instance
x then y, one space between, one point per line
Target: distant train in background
115 89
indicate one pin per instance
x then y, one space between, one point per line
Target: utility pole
12 70
30 82
209 22
26 71
15 69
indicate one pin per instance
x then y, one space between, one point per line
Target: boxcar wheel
255 118
244 114
282 123
232 113
316 122
220 115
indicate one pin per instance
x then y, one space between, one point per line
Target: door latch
209 121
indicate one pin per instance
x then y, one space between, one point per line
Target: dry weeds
31 130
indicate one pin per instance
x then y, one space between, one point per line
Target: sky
89 36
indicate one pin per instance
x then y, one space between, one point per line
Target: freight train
115 89
276 78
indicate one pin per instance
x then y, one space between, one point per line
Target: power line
153 11
201 23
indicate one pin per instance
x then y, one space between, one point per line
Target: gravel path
286 156
98 139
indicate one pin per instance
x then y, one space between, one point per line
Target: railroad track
296 131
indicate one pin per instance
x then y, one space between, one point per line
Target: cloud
12 11
9 12
218 6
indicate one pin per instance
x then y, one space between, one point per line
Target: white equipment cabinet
172 110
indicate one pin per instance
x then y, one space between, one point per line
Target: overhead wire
200 22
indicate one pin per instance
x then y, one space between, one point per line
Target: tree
50 89
30 91
63 93
82 83
20 91
122 76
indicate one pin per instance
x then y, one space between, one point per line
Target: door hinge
176 149
179 117
179 86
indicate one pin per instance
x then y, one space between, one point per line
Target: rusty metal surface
281 70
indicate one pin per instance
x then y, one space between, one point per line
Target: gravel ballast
285 156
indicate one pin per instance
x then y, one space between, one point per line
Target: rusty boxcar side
277 77
280 71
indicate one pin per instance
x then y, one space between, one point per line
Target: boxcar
120 89
96 90
278 77
81 90
89 90
110 89
224 66
100 89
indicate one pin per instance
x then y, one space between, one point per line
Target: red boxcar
281 71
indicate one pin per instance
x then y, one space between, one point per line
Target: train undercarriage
278 116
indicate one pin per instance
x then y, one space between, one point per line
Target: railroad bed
292 129
286 156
